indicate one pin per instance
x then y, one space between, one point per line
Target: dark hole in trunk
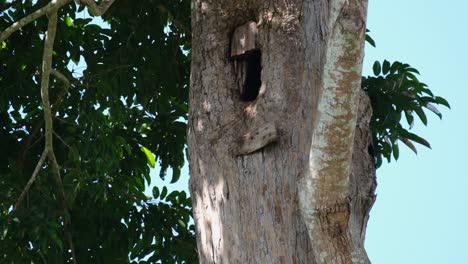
253 68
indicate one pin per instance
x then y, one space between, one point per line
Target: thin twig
70 243
53 5
96 10
61 139
31 180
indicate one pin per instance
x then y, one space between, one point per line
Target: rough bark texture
246 195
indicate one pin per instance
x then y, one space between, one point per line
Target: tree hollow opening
252 65
247 59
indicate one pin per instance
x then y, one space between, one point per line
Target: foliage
395 91
129 103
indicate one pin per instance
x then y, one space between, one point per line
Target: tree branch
52 6
54 108
63 205
61 139
46 71
96 10
31 180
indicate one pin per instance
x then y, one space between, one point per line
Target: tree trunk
274 100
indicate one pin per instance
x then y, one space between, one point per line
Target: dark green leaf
396 151
409 69
386 67
421 115
175 175
376 68
409 144
417 139
434 110
155 192
163 193
442 101
370 40
409 118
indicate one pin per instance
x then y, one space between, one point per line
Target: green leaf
149 157
2 45
442 101
395 67
409 144
409 69
434 110
411 76
376 68
386 67
378 163
417 139
155 192
396 151
147 177
175 175
128 149
370 40
421 115
163 193
387 140
68 21
409 118
181 223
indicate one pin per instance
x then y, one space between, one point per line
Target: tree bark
275 175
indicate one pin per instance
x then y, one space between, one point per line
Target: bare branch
31 180
50 7
61 139
62 202
46 71
96 10
70 244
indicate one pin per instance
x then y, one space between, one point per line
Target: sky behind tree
421 211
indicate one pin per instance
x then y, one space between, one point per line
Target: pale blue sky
421 213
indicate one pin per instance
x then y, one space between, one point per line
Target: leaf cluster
395 91
129 91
